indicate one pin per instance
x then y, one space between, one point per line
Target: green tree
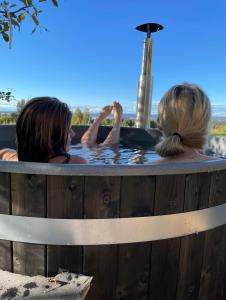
128 123
107 122
77 117
13 13
153 124
7 119
6 96
81 117
86 117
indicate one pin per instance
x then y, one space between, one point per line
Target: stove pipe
143 110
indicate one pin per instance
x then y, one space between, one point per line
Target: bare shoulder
207 157
75 159
161 161
8 154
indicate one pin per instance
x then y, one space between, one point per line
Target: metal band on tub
109 231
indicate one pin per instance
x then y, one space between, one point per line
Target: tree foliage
13 13
80 117
8 119
6 96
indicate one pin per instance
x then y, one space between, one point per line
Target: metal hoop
109 231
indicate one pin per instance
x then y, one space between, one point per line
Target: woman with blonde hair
184 118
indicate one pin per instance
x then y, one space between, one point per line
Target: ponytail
171 145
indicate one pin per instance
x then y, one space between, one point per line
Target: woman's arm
90 136
8 154
114 135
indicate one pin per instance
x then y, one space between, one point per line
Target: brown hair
184 117
42 129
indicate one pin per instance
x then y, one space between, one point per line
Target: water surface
117 155
122 154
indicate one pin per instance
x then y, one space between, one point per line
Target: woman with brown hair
43 133
184 119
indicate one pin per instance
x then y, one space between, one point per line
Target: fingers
107 107
117 106
115 103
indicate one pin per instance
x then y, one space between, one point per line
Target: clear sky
92 53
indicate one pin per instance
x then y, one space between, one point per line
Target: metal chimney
143 110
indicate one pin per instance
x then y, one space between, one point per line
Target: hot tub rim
151 169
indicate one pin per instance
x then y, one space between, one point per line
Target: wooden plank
5 208
169 198
28 199
64 200
101 200
191 252
137 199
212 286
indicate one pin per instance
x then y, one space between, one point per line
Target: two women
44 130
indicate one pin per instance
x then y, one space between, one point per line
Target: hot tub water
119 155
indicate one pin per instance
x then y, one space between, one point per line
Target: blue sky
92 53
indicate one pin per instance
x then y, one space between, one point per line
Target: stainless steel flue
143 110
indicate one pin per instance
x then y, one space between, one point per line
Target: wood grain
101 200
5 208
64 200
28 199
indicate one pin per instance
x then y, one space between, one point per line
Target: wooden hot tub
138 258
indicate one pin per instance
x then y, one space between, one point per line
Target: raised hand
117 109
106 111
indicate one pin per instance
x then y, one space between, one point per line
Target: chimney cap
149 27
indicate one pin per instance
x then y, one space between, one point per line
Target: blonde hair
184 117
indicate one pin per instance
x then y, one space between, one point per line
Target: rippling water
129 154
118 155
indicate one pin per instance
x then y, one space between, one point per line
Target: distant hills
218 111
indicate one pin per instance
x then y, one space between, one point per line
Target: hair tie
176 133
